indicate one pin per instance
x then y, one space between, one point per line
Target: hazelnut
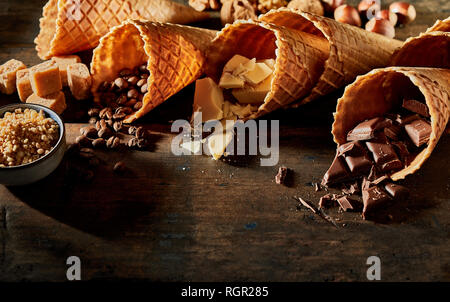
236 10
381 26
406 12
368 8
347 14
387 15
331 5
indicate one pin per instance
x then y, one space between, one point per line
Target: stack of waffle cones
70 26
175 57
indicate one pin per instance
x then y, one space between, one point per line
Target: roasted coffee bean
119 116
132 93
93 120
126 72
86 153
127 110
82 140
103 125
131 103
132 130
105 112
145 76
117 126
141 82
143 68
142 143
120 167
122 99
93 112
132 142
141 132
99 143
89 131
121 84
133 80
144 88
105 87
105 133
137 106
113 142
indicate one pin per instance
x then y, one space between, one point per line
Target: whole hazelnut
406 12
331 5
387 15
236 10
368 8
347 14
381 26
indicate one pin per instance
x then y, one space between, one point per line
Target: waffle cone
440 25
299 59
353 51
70 26
381 90
175 56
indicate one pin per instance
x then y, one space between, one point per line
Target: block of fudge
23 84
8 73
45 78
55 101
63 62
79 80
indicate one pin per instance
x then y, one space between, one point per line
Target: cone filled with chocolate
69 26
395 117
141 64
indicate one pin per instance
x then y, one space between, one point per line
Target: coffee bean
142 143
89 131
110 123
93 112
132 93
141 82
143 68
145 76
105 87
131 103
117 126
119 116
132 130
132 142
137 106
133 80
141 132
99 143
113 142
121 84
86 153
93 120
144 88
125 72
82 140
103 112
120 167
105 133
102 124
122 99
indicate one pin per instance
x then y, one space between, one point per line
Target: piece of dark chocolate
393 165
373 197
406 119
401 149
416 106
358 165
392 132
382 153
419 132
336 173
379 180
348 204
281 175
351 189
326 201
354 148
365 130
397 192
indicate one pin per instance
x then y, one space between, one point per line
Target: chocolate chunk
393 165
380 180
382 153
281 175
358 164
326 201
417 107
366 129
398 192
316 187
336 173
406 119
348 204
374 173
393 132
354 148
402 150
419 132
373 197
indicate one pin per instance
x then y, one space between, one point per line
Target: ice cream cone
440 25
175 57
70 26
299 59
381 90
353 51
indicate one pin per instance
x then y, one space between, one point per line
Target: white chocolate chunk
228 81
269 62
220 139
258 74
253 95
242 111
234 63
208 99
244 68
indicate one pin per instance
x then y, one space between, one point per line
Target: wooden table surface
190 218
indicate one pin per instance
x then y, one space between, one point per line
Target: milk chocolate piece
380 180
382 153
416 106
63 62
401 149
336 173
55 101
354 148
45 78
326 201
373 197
23 84
79 81
8 72
419 132
281 175
406 119
393 165
358 164
366 129
348 204
398 192
393 132
351 189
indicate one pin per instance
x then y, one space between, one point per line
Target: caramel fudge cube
55 101
23 84
8 73
45 78
63 62
79 80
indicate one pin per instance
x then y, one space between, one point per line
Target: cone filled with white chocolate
70 26
171 56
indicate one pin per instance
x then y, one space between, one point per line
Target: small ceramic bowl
42 167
